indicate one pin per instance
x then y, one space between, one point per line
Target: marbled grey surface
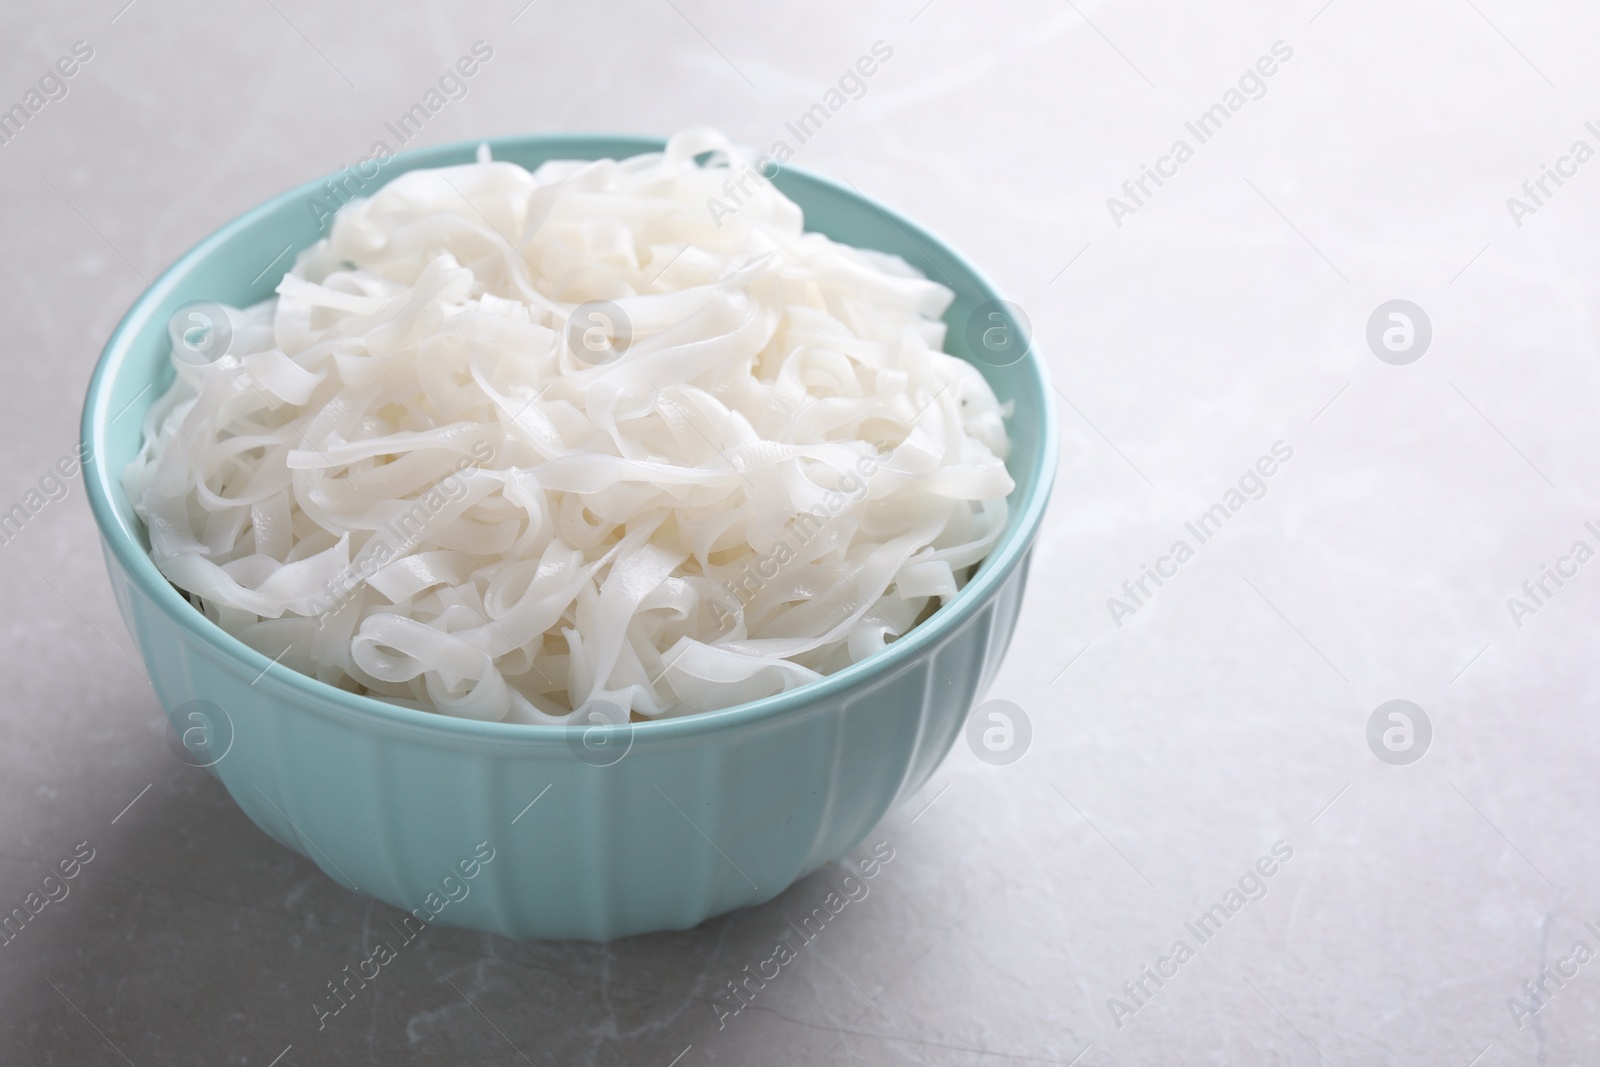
1227 312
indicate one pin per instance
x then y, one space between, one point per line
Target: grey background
1168 753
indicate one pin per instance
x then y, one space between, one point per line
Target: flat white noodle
402 479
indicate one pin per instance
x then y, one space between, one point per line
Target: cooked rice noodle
401 478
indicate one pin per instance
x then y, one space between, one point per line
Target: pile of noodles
434 471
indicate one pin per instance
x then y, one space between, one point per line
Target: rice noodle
402 479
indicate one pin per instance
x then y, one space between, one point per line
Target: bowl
553 831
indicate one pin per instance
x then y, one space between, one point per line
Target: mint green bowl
702 814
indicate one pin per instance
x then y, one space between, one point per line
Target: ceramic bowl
537 831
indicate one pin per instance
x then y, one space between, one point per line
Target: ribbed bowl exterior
671 834
510 828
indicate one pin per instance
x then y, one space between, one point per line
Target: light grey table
1192 325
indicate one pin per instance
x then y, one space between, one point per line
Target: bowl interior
242 263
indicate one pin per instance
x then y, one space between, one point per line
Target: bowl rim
317 695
